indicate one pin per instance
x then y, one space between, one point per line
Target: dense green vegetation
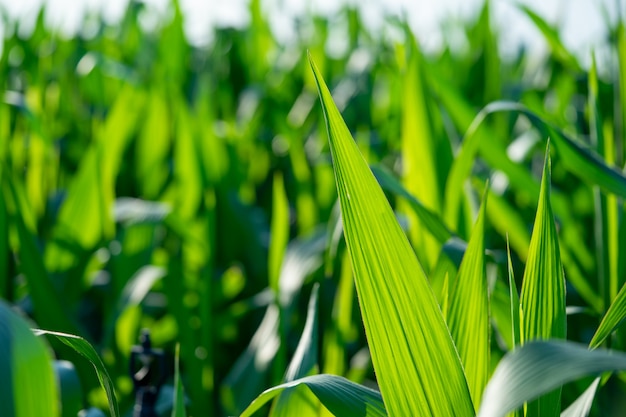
206 195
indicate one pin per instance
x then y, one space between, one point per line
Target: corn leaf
83 347
408 338
611 320
551 36
294 401
575 156
429 219
419 155
27 381
539 367
469 311
178 410
542 300
341 397
514 296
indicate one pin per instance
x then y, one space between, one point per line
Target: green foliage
203 194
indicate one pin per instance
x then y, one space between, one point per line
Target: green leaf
83 347
515 304
551 35
27 381
419 154
582 405
293 401
429 219
178 410
539 367
49 309
611 320
577 158
279 233
469 311
341 397
542 300
397 303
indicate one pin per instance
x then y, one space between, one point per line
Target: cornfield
306 230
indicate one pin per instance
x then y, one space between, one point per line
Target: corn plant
442 236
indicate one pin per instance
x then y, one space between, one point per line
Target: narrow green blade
539 367
341 397
293 401
551 36
469 311
83 347
542 300
515 319
408 338
178 410
611 320
419 155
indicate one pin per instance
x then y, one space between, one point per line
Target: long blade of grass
515 304
49 310
419 155
551 36
293 401
178 410
398 306
341 397
429 219
542 300
576 157
539 367
469 311
83 347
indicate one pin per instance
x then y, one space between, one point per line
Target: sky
581 22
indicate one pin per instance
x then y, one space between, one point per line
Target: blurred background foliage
148 183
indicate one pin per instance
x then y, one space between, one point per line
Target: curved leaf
408 338
83 347
341 397
27 380
539 367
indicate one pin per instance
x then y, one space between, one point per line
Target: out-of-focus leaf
576 157
551 36
49 310
390 281
83 347
419 155
515 303
71 390
341 397
468 316
429 219
582 405
27 381
540 367
279 233
293 401
240 385
542 300
178 410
